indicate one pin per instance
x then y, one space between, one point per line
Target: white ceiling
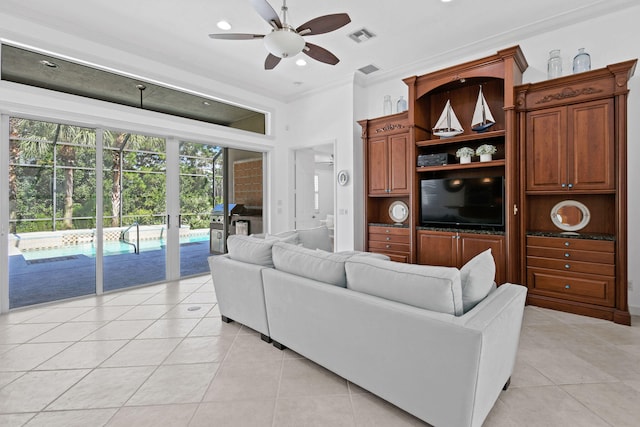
409 32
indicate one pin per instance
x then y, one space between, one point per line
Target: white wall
316 119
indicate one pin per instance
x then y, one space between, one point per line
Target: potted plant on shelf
486 151
464 154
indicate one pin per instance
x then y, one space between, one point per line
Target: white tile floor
143 357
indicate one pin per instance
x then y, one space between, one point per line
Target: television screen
463 202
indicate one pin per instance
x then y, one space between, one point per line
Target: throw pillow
286 237
315 238
250 249
424 286
477 279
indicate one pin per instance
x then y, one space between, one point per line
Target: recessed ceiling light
224 25
445 1
300 62
48 63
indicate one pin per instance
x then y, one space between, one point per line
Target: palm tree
34 140
37 138
118 142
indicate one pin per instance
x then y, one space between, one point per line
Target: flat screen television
463 202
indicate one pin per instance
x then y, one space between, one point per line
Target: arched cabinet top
507 64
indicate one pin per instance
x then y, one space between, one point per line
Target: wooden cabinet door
470 245
591 146
398 169
437 248
377 166
546 149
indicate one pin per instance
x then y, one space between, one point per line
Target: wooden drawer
392 238
388 246
571 254
579 287
394 256
577 244
571 266
388 231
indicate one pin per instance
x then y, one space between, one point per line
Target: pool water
109 248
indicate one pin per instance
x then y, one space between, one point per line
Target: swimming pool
110 247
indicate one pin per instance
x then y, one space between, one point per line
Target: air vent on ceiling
361 35
368 69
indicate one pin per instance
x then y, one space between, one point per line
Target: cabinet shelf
461 138
457 166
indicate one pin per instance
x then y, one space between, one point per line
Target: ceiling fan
285 41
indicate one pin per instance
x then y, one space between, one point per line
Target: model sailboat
448 124
482 117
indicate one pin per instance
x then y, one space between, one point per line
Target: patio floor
53 279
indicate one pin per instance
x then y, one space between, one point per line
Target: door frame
292 182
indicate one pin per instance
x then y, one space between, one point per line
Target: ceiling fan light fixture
284 43
224 25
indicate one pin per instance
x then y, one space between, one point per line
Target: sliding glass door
97 210
52 188
134 209
201 177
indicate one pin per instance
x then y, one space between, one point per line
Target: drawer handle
563 185
566 243
388 238
566 255
567 266
387 231
570 185
388 246
567 286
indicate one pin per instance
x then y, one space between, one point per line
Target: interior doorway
315 187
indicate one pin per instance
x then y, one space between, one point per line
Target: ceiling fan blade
271 62
320 54
323 24
267 13
236 36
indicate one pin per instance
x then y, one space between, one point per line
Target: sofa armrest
239 291
499 318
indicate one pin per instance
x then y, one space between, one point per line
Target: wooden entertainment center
558 140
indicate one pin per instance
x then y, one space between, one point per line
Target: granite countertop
380 224
462 230
572 235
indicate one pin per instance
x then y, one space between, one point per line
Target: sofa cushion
315 238
477 277
365 254
317 265
432 288
285 236
250 249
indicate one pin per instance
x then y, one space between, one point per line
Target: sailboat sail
448 124
482 117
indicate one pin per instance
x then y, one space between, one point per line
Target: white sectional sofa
438 342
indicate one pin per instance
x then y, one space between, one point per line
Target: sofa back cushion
432 288
315 238
317 265
477 277
285 236
250 249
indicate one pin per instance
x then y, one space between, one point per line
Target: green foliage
33 165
